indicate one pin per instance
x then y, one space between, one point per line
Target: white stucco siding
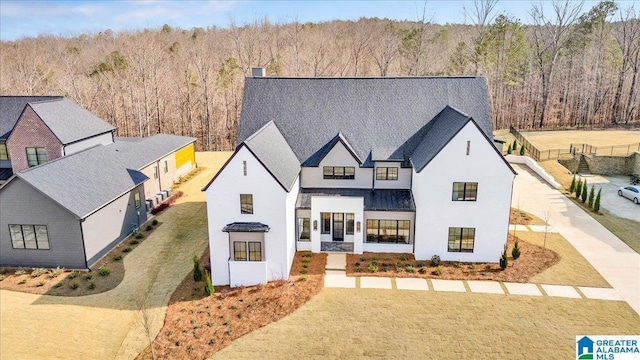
312 177
290 226
436 212
404 177
389 215
333 204
103 139
269 207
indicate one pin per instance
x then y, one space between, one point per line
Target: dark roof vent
258 72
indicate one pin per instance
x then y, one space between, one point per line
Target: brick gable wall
30 131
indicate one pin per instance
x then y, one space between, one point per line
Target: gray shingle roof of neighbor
246 227
69 121
85 181
11 107
374 200
270 147
372 113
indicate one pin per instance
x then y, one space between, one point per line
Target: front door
338 227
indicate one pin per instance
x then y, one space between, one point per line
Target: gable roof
373 113
69 121
316 158
271 149
86 181
10 109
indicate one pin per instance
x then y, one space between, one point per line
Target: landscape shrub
134 242
403 257
304 271
126 250
73 275
592 195
424 270
59 284
117 257
104 270
578 188
504 261
3 270
572 187
457 265
358 268
306 260
20 272
373 267
439 270
92 285
208 287
435 260
307 254
41 283
159 208
522 150
23 281
197 272
515 253
584 191
303 277
2 277
54 273
74 285
596 204
509 150
411 269
149 228
88 276
36 272
138 235
515 144
154 222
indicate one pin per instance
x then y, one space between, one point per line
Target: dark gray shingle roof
85 181
374 200
270 147
246 227
69 121
11 107
373 113
316 158
5 173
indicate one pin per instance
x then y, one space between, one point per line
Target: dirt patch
533 260
520 217
197 326
77 283
562 139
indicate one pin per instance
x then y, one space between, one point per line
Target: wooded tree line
568 68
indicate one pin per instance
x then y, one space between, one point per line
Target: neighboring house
358 164
71 211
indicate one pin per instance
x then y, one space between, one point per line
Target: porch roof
246 227
374 200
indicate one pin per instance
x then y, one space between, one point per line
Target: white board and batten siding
102 139
272 206
436 212
312 177
403 181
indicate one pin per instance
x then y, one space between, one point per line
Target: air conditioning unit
149 204
161 196
168 192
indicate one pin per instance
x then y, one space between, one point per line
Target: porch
336 246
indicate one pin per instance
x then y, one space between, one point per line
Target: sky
70 18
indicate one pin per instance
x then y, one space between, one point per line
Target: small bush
522 150
504 261
74 285
126 250
457 265
197 272
36 272
2 277
134 242
138 235
403 257
307 254
592 196
92 285
516 251
305 266
306 260
304 271
472 266
358 268
357 263
154 222
20 272
411 269
363 259
59 284
104 270
584 192
208 287
304 277
439 270
424 270
373 267
23 281
149 228
435 260
117 257
515 145
572 187
41 283
596 204
88 276
54 273
509 150
73 275
578 188
3 270
374 258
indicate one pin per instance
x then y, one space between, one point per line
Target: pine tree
504 261
515 145
522 149
509 149
197 273
596 205
584 191
572 188
515 253
592 195
578 188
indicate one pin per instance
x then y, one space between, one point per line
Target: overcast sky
68 18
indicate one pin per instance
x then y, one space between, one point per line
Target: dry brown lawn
521 217
544 140
395 324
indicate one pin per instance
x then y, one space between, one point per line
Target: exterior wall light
315 225
358 226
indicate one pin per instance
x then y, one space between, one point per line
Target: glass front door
338 227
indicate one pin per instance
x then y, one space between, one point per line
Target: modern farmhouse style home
358 164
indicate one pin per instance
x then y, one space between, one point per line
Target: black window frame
40 154
304 227
246 204
373 232
325 223
349 219
338 172
4 151
137 199
36 240
468 192
155 172
456 240
165 166
383 173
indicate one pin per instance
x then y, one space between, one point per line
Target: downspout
84 250
158 173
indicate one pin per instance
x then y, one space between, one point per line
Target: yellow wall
184 155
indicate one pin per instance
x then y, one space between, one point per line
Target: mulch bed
196 326
520 217
533 260
62 284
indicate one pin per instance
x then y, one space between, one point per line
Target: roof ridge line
259 131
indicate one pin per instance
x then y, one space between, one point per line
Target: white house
358 164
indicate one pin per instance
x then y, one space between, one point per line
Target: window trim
397 232
386 176
35 235
246 204
459 240
467 194
331 175
39 160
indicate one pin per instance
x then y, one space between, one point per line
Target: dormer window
338 172
387 173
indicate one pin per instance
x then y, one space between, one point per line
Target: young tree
522 150
592 195
596 205
579 188
584 191
572 187
509 149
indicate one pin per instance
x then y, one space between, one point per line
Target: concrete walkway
335 277
611 257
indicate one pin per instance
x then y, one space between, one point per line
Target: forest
561 68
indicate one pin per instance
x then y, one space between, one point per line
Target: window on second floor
136 198
36 156
387 173
339 172
246 203
4 154
464 191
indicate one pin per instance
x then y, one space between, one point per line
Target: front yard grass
394 324
196 325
